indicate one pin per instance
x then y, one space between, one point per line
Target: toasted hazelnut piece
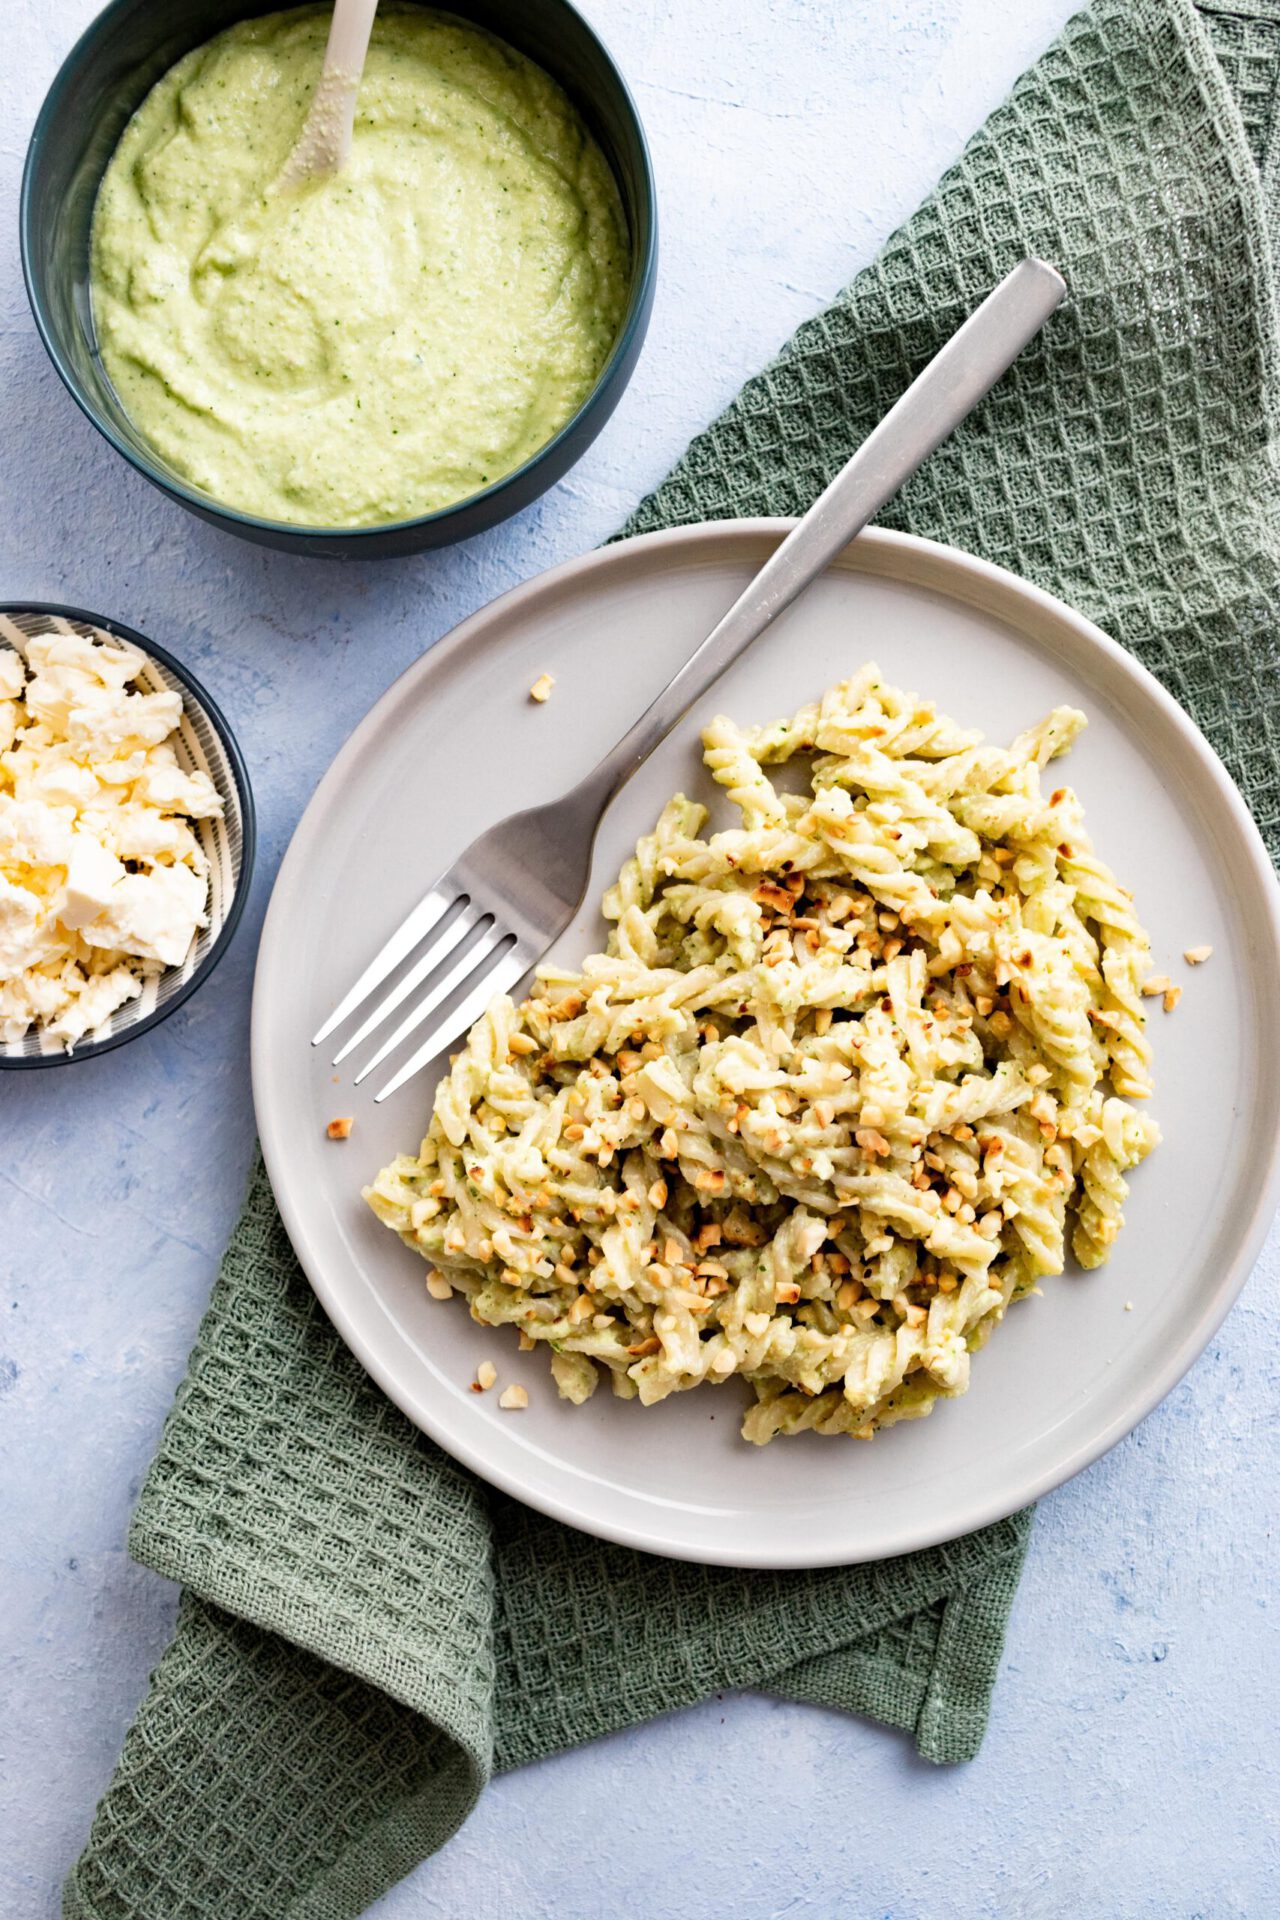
1171 998
438 1287
340 1129
541 692
512 1398
1196 956
486 1374
1158 983
522 1043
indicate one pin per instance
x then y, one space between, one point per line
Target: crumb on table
340 1128
541 688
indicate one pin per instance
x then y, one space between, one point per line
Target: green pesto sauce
379 344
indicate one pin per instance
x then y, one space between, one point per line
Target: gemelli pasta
850 1076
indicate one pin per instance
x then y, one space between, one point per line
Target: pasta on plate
849 1077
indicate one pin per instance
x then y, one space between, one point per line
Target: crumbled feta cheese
33 833
20 935
152 915
57 778
92 874
109 723
102 880
162 783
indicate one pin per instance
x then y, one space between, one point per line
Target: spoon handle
325 141
935 403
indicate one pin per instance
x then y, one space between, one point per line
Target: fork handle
935 403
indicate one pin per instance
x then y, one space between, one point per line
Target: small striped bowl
204 743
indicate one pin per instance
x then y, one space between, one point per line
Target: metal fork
495 912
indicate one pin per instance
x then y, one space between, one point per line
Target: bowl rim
91 1049
634 322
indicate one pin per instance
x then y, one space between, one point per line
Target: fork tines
485 962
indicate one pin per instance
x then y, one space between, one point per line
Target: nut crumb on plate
1196 956
340 1129
513 1398
1171 998
438 1287
541 688
1158 983
486 1374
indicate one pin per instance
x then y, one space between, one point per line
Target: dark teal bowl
101 84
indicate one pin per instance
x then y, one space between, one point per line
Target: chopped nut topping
569 1008
541 688
1171 998
1158 983
340 1129
486 1374
1196 956
710 1180
512 1398
522 1043
438 1287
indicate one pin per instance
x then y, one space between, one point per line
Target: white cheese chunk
107 723
166 786
34 834
152 915
92 876
23 941
12 673
98 997
57 777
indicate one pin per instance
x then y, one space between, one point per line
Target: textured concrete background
1129 1773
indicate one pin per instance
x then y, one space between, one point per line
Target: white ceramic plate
456 743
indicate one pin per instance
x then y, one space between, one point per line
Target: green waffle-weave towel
366 1633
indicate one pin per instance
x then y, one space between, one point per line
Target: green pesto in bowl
380 344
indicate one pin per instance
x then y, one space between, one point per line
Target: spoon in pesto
325 141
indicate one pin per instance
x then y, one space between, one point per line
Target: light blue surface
1130 1767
